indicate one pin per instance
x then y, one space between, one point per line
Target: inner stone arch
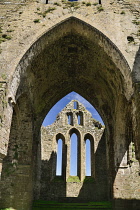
60 136
72 178
72 56
90 137
76 132
73 154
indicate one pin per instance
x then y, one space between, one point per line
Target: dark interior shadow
128 204
96 188
52 187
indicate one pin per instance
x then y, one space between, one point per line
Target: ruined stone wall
127 187
25 66
22 24
17 22
94 189
16 171
127 179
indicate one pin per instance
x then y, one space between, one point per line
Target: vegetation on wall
37 21
73 179
69 4
100 8
4 37
43 14
89 179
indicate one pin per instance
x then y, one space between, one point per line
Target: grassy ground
44 205
52 205
8 209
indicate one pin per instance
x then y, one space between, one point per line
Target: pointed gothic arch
78 135
64 154
89 137
100 73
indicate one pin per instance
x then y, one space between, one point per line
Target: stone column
83 157
75 121
68 156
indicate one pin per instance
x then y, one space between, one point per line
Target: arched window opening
100 2
88 157
59 157
80 118
75 105
70 118
73 155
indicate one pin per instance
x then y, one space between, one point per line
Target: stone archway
72 56
136 106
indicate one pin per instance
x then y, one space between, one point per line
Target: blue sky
51 117
73 159
73 155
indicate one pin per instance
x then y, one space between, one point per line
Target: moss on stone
89 179
73 179
100 8
37 21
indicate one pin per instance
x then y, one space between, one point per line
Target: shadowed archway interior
73 56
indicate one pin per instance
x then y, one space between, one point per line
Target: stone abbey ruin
47 50
80 122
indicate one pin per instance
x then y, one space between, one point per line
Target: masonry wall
94 189
127 169
119 22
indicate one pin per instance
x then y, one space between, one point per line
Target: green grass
49 205
8 209
38 205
